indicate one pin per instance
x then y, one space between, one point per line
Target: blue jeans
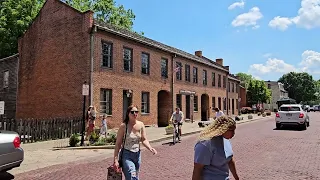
131 164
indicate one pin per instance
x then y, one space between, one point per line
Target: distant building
277 92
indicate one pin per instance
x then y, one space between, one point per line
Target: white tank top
132 142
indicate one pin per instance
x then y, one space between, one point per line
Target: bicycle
176 132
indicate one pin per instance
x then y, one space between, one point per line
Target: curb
151 141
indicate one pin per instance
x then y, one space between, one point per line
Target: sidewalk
42 154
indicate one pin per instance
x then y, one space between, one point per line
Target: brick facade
243 96
56 59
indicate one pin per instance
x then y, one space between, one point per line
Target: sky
265 38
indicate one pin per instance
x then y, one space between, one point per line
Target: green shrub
94 137
74 140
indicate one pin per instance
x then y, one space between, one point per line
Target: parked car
11 154
307 108
292 114
316 108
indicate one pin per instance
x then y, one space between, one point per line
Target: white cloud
239 4
310 63
248 19
272 65
308 17
267 55
281 23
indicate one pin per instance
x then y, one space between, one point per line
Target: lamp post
85 92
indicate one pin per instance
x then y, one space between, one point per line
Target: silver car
11 154
292 114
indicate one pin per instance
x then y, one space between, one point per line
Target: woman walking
129 136
213 156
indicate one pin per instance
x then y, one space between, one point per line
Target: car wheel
278 126
304 126
308 123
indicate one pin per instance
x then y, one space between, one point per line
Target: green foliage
258 92
16 16
94 137
300 86
245 79
74 140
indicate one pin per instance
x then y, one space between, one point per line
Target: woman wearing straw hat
213 156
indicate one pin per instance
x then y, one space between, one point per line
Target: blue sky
247 35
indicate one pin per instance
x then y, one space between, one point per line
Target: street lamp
85 92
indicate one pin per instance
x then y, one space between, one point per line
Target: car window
290 108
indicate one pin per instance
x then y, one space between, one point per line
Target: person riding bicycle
177 118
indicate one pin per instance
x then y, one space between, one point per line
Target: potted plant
169 129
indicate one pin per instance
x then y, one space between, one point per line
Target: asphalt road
261 152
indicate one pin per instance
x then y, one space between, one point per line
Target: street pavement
261 152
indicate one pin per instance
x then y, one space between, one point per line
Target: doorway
127 100
164 108
204 107
188 107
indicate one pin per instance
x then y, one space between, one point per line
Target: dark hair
217 109
126 119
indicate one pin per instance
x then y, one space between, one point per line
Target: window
178 101
195 103
127 59
292 108
229 88
195 75
219 103
187 73
224 81
178 70
213 79
204 76
6 79
106 101
219 80
229 103
237 88
237 103
213 103
233 87
224 103
232 106
164 68
106 54
145 102
145 60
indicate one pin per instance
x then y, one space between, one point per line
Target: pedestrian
177 117
91 117
213 155
104 128
218 112
129 136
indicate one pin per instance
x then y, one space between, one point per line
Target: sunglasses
134 112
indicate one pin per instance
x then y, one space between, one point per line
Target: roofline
235 79
163 49
9 57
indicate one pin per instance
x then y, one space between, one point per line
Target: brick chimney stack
198 53
219 61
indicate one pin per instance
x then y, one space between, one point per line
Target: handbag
123 143
113 174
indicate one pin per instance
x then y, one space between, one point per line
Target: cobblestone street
260 152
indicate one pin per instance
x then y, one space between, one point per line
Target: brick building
8 84
63 48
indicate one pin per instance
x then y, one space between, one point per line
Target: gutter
93 30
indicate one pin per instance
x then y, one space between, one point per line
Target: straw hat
217 128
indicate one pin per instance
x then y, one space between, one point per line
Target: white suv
292 114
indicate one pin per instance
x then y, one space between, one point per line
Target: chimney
227 67
198 53
219 61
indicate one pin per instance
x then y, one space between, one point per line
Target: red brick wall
233 95
54 62
243 96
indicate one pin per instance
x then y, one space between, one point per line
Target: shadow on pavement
6 176
288 128
170 143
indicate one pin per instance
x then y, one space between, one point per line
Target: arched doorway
164 108
204 107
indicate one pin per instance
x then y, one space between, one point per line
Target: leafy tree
300 86
16 15
257 92
245 79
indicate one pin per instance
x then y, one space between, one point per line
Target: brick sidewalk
41 154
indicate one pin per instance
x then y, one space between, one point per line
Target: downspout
93 30
227 92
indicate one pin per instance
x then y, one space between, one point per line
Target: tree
258 92
300 86
245 79
16 16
